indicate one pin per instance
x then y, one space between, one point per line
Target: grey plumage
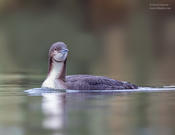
89 82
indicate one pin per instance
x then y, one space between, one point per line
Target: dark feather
89 82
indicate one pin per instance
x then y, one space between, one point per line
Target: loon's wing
89 82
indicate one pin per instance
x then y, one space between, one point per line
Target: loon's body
57 78
90 82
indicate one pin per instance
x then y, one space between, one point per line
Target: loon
57 79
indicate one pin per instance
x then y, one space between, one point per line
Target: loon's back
89 82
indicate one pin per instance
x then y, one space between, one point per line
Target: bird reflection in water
53 110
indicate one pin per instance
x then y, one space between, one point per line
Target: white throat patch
52 78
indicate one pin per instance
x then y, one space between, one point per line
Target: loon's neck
57 71
56 75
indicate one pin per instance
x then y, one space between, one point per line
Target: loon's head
58 52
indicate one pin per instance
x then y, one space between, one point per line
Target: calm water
128 113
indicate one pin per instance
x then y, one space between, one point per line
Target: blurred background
129 40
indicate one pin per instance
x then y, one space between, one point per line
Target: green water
138 113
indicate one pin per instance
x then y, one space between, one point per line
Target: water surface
74 113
